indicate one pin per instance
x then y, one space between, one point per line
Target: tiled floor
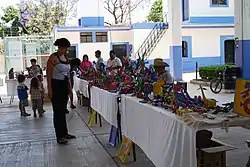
29 142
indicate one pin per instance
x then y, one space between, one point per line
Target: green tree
10 14
39 17
156 12
10 22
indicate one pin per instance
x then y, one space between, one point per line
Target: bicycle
216 84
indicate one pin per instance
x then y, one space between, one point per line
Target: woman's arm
49 70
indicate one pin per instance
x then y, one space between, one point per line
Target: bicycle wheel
216 86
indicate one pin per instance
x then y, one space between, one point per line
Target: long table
81 85
165 139
102 101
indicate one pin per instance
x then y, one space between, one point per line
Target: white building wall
121 36
206 42
201 8
160 51
90 48
73 37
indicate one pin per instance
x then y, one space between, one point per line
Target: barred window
101 37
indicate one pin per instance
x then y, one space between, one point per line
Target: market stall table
105 103
82 86
165 139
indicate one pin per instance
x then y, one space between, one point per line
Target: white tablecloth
12 86
81 85
166 140
105 103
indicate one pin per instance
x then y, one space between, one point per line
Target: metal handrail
151 39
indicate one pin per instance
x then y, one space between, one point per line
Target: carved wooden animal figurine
208 103
157 88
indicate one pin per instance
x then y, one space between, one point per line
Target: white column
242 36
174 19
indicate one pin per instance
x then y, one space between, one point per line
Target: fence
19 50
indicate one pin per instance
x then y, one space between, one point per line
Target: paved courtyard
31 142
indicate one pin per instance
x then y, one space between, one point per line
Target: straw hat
158 62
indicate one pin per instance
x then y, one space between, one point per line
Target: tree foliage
121 9
40 16
37 16
156 12
10 22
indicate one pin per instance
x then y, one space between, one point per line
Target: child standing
40 78
36 97
22 95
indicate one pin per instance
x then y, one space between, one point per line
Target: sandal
68 136
62 141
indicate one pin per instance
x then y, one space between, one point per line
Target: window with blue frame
86 37
185 10
101 37
219 2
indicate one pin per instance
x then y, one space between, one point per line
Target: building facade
207 35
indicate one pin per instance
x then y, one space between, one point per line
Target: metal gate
19 50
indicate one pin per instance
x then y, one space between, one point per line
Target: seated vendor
114 63
162 73
85 64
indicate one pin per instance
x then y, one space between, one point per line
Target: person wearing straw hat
159 66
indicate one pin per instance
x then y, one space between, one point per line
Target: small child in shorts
40 78
22 95
36 97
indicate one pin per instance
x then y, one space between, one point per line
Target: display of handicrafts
141 81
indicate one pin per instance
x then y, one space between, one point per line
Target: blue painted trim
176 67
243 58
188 39
144 25
93 28
222 47
187 26
221 6
212 20
190 25
121 43
92 21
77 50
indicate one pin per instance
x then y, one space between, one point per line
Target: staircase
151 41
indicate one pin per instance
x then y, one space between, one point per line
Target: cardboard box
214 155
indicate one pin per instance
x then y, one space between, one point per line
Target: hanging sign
113 136
92 118
242 97
124 150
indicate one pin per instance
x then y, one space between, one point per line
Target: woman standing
85 62
59 86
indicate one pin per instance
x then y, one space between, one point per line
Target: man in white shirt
114 63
